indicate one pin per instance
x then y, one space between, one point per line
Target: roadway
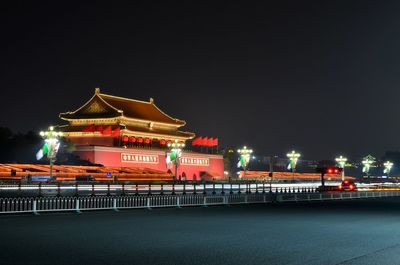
336 232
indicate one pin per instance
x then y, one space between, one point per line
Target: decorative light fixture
341 160
388 166
176 152
293 158
50 147
244 159
367 161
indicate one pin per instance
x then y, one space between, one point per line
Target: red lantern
132 139
125 138
163 142
147 141
140 140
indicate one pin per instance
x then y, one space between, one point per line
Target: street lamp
293 158
50 148
388 166
176 152
341 160
245 155
367 161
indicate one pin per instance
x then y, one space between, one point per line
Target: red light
351 187
346 181
340 187
336 170
329 170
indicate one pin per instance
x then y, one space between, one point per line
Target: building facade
122 132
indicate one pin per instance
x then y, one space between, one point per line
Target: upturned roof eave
176 121
64 116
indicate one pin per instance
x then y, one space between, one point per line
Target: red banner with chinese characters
139 158
193 161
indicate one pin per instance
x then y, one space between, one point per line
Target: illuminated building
122 132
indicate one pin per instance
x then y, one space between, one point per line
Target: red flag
107 130
203 141
196 141
210 142
116 132
215 142
89 128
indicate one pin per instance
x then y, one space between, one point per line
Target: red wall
111 156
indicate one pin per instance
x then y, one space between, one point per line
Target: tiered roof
134 116
105 106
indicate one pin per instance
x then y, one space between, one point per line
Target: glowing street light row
52 144
294 156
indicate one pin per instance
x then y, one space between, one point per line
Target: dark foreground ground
344 232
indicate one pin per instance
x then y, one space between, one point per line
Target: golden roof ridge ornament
97 90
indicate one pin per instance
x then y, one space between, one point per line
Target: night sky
322 77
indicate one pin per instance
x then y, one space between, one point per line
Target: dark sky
322 77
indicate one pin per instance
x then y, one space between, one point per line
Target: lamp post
50 148
293 158
245 155
388 166
271 171
176 152
341 160
367 161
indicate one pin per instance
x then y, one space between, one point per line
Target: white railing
334 196
53 204
33 190
78 204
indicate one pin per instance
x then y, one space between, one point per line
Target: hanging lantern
140 140
132 139
124 138
147 141
163 142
